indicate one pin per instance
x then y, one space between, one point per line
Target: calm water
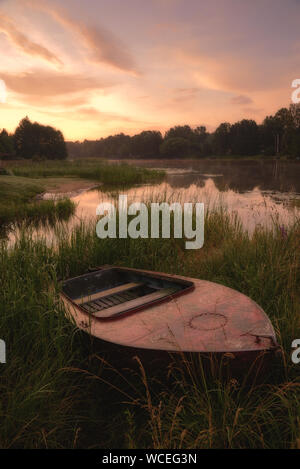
257 191
240 176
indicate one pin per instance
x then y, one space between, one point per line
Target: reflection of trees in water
185 180
240 176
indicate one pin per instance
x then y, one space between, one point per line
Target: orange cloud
103 45
91 114
108 116
23 43
44 83
185 94
234 72
241 100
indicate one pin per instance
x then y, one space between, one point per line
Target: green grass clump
97 170
18 204
58 391
35 213
18 189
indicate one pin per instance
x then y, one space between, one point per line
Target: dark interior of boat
113 291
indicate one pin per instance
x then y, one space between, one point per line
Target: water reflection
253 207
257 191
240 175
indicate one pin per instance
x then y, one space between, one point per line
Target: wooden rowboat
149 310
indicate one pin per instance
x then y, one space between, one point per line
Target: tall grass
35 213
97 170
58 390
18 205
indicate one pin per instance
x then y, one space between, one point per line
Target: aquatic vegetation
98 170
59 386
35 213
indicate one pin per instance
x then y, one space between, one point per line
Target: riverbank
21 190
20 204
24 189
120 174
62 389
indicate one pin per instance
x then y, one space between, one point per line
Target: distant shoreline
258 158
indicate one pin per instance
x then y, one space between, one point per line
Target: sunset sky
101 67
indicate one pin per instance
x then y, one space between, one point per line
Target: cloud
253 110
106 48
92 114
185 94
103 45
57 101
233 71
241 100
23 43
106 116
42 84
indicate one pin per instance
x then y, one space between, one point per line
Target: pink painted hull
210 319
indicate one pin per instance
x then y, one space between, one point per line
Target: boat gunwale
190 286
273 348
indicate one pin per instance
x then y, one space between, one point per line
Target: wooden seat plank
102 294
106 313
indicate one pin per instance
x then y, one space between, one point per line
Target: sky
102 67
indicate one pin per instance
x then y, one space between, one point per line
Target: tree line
278 135
32 140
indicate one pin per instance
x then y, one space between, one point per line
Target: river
257 191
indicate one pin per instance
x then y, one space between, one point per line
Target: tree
295 137
280 133
24 139
7 149
244 138
34 139
180 131
146 144
295 114
176 147
114 146
193 142
199 142
221 139
269 136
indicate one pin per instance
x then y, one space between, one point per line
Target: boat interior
114 291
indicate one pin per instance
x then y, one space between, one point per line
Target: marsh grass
60 388
18 204
46 212
98 170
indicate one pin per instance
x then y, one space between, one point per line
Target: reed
46 212
120 174
59 389
18 204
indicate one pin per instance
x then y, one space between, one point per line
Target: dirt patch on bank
58 185
67 187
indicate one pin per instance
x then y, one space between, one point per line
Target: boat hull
210 319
